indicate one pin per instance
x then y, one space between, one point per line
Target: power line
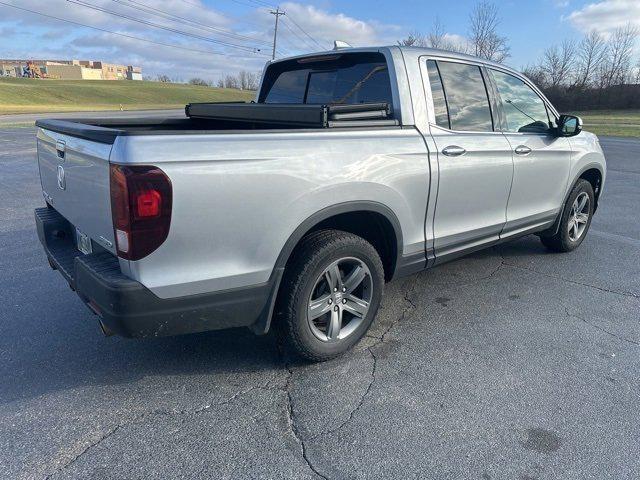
304 31
186 21
120 34
163 27
302 39
225 15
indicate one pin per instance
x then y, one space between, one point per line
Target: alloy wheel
579 217
340 299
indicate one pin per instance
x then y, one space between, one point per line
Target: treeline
593 73
243 80
596 72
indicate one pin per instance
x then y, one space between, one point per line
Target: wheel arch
334 217
589 172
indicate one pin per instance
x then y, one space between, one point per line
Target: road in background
511 363
32 117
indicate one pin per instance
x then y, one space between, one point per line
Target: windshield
335 79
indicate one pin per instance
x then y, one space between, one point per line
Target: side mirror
569 126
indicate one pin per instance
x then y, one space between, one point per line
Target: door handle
454 151
522 150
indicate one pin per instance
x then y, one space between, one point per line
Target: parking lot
513 363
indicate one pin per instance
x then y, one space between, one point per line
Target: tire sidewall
363 252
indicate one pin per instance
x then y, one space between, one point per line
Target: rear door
474 159
542 161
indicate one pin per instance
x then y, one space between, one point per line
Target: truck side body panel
238 197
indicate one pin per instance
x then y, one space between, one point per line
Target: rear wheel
575 221
330 294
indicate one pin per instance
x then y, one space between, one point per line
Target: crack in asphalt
141 417
598 327
380 340
292 422
291 418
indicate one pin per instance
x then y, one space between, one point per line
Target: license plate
83 242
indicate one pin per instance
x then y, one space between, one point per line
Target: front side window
466 97
524 110
340 79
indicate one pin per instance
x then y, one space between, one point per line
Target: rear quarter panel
238 197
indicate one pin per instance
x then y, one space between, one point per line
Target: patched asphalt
513 363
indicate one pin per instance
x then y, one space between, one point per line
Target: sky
208 38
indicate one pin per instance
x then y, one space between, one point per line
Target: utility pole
277 13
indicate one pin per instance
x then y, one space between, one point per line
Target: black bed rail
295 115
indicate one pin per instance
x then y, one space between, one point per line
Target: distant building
69 70
134 73
72 72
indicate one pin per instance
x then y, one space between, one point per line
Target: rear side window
465 95
524 110
437 92
337 79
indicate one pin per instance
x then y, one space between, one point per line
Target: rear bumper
129 309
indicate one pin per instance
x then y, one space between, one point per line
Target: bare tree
536 74
616 69
592 51
243 80
254 81
415 39
437 37
483 34
198 81
230 81
164 79
557 63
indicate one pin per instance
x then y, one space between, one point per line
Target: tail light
141 201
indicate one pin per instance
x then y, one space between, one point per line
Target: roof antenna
339 44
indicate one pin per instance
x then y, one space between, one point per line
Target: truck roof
413 52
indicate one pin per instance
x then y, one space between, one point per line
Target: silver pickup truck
351 168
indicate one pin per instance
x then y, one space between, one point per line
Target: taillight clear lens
141 201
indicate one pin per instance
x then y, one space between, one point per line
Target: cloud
606 16
326 27
32 36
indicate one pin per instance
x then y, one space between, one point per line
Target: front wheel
575 221
330 294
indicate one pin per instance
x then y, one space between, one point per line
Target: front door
542 161
475 161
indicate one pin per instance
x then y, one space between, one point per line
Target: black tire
312 257
561 241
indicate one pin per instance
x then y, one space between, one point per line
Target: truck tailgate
74 174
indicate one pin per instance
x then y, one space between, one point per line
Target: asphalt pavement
513 363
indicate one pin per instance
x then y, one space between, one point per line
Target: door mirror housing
569 126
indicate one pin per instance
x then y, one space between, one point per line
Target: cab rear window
334 79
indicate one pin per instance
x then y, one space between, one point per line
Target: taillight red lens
148 204
141 202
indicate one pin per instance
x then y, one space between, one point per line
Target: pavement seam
598 327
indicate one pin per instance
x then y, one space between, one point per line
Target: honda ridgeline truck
351 168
